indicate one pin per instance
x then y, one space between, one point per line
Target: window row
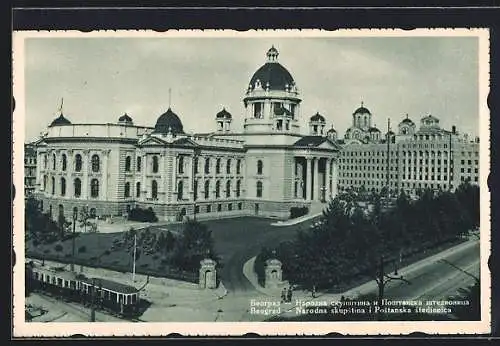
78 162
77 186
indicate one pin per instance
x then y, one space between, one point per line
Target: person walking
289 294
283 295
313 291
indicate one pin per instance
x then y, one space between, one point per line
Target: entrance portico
315 177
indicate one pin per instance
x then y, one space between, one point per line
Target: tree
169 242
194 244
84 217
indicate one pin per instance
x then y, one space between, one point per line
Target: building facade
29 169
263 169
411 159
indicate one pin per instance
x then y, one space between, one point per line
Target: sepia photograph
244 181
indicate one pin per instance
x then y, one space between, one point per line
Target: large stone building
264 169
411 159
29 169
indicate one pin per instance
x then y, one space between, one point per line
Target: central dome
272 74
168 121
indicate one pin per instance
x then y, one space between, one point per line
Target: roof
60 120
125 118
56 271
373 129
272 72
331 130
430 117
223 114
168 121
362 110
318 117
112 285
407 121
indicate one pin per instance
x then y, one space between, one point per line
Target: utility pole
194 165
383 279
133 265
75 216
388 154
92 307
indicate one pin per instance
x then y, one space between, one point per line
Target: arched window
180 190
77 186
259 166
217 166
217 189
63 186
44 182
207 165
228 189
238 167
63 162
127 164
155 164
139 162
94 188
127 189
45 161
95 163
259 189
53 161
238 188
53 185
207 189
78 163
138 189
228 166
154 189
180 165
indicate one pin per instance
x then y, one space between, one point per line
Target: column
144 167
307 178
174 178
315 194
327 180
335 177
39 165
162 186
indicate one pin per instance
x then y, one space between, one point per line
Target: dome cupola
125 119
317 125
169 122
362 118
60 121
223 120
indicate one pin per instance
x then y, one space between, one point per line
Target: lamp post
75 216
383 279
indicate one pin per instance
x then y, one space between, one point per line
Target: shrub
142 215
58 248
296 212
46 251
82 249
155 257
107 252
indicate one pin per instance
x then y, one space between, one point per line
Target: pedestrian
289 294
283 295
313 291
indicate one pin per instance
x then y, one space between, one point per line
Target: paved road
238 240
439 279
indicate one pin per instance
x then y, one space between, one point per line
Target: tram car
105 294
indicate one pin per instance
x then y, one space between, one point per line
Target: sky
102 78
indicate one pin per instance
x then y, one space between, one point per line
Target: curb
295 221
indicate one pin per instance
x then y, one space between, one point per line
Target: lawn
112 251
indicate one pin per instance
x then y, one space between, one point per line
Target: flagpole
135 247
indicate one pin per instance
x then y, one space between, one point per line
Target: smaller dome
390 133
59 121
272 54
223 114
318 117
331 130
431 118
373 129
362 110
407 121
168 121
125 118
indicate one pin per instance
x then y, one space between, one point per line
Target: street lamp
75 215
383 279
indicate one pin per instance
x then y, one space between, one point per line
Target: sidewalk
296 220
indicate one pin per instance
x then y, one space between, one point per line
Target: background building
411 159
29 169
264 169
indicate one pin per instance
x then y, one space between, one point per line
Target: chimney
453 129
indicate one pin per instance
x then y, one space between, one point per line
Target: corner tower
272 99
